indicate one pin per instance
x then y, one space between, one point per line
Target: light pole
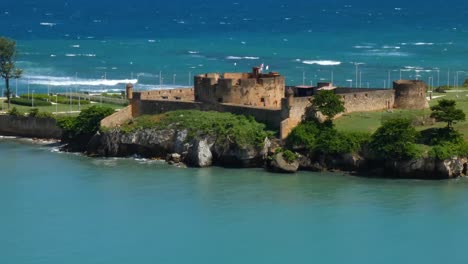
189 78
389 77
16 94
356 83
350 83
32 99
438 77
457 77
173 79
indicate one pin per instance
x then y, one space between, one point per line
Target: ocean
65 208
101 45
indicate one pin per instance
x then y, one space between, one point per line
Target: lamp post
32 99
189 78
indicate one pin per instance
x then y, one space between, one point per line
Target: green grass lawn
370 121
61 108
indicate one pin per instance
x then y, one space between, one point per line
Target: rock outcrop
278 163
198 151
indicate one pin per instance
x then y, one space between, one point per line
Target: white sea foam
193 52
70 55
75 46
48 24
322 62
362 47
69 81
242 58
423 44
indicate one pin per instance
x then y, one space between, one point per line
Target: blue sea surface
101 45
64 208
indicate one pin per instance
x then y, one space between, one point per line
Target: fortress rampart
410 94
252 89
263 96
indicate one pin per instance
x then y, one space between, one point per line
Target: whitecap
151 40
89 55
362 47
193 52
48 24
423 44
75 46
233 58
322 62
251 58
53 55
69 81
70 55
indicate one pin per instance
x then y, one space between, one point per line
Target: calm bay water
64 208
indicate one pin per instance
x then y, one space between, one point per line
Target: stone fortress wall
410 94
252 89
262 96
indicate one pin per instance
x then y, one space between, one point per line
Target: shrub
15 112
437 136
52 99
448 150
304 135
323 138
27 102
33 112
86 124
395 139
289 156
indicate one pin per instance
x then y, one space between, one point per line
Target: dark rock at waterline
278 163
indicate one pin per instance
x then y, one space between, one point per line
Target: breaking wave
69 81
322 62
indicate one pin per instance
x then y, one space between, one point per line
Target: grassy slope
370 121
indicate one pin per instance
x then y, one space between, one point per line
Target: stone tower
410 94
129 91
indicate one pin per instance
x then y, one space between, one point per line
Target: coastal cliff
202 150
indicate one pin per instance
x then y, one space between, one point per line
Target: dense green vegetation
395 140
323 138
328 103
224 126
403 135
82 127
54 99
29 102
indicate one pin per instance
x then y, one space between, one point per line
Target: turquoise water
64 208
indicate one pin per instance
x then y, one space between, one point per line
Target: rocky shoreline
177 147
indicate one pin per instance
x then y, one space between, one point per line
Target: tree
445 111
395 139
8 68
328 103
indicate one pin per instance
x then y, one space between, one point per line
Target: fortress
265 97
